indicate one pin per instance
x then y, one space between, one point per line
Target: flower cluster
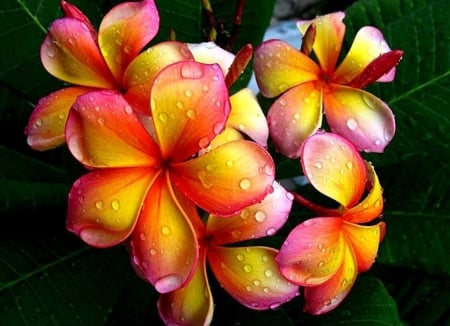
179 170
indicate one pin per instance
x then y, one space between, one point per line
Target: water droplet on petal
204 142
99 204
260 216
268 272
352 124
248 288
349 165
271 231
192 71
128 109
188 93
275 305
180 104
51 52
115 204
247 268
165 230
163 117
190 114
318 165
168 283
142 236
240 257
245 184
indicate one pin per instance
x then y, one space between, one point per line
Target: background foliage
49 277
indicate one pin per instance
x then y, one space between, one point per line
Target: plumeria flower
249 274
246 115
307 88
75 53
325 254
147 179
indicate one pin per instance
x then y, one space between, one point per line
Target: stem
317 209
237 21
212 21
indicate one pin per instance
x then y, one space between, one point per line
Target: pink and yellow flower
326 253
147 178
249 274
307 88
75 53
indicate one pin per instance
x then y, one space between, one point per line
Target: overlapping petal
190 105
327 45
325 297
251 276
256 221
360 117
247 116
369 43
334 167
45 129
164 244
371 206
209 52
228 178
70 52
72 11
102 130
140 73
279 66
294 116
124 31
313 251
104 205
364 241
192 304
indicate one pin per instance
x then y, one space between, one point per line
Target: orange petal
364 241
334 167
103 131
313 251
256 221
247 116
164 245
104 205
371 206
368 45
295 116
193 303
327 296
227 135
251 276
228 178
360 117
327 45
190 105
279 66
124 31
240 62
141 72
70 52
45 129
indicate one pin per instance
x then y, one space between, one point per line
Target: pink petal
295 116
256 221
360 117
70 52
209 53
371 206
364 241
164 245
327 45
247 116
192 304
279 66
334 167
104 205
124 31
368 45
103 131
141 72
313 251
72 11
228 178
45 129
327 296
251 276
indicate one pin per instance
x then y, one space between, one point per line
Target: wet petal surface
228 178
360 117
103 205
103 131
251 276
334 167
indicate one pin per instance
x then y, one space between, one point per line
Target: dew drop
165 230
101 121
39 123
377 142
282 102
190 114
245 184
236 233
321 263
115 204
153 252
282 87
180 104
271 231
188 93
192 71
163 117
249 288
266 290
257 282
240 257
318 165
217 128
268 272
128 109
352 124
99 204
260 216
275 305
264 258
204 142
168 283
230 163
350 165
247 268
51 52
